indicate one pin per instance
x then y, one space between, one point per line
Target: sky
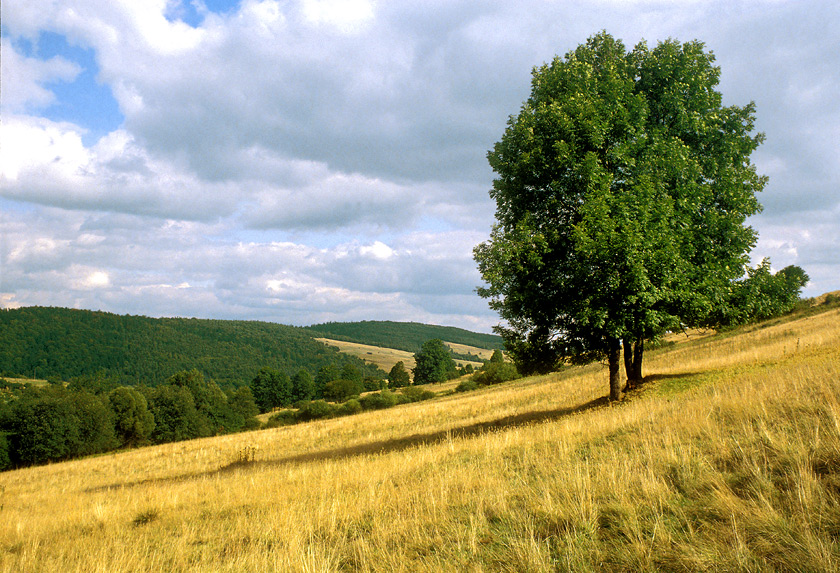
305 161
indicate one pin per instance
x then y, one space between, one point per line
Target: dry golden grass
384 358
728 459
482 353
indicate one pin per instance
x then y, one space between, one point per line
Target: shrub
350 407
414 394
379 401
372 384
466 386
316 410
282 418
495 373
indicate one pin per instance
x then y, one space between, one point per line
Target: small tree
325 374
342 389
176 417
303 386
433 363
243 409
350 372
398 377
763 295
271 389
133 422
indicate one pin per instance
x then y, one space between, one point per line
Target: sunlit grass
728 459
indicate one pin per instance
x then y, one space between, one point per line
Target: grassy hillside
64 343
407 336
727 459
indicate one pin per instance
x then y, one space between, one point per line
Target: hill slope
386 358
406 336
727 459
65 343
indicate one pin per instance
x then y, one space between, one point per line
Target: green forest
61 344
408 336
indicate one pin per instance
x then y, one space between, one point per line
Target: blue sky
314 160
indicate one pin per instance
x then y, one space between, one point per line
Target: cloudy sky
309 160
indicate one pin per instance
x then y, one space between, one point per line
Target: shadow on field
382 446
398 444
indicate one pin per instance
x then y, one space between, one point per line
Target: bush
282 418
350 407
316 410
379 401
414 394
467 386
495 373
372 384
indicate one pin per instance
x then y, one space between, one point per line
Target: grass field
727 459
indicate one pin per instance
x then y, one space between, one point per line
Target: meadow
726 459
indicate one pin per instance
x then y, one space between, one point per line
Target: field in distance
385 358
726 459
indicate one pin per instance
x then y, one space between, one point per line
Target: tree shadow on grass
381 446
431 438
674 383
415 440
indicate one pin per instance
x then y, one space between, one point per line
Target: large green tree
622 190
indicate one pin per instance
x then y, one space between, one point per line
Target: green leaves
622 191
433 363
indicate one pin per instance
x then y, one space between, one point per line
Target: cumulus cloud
320 160
24 79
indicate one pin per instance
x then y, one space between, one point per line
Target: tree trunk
614 357
629 365
633 353
637 360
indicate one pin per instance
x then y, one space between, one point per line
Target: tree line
61 344
96 414
92 415
407 336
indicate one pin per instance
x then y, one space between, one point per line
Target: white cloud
346 15
97 279
314 160
23 79
377 250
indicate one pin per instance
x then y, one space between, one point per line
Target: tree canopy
398 377
622 190
433 363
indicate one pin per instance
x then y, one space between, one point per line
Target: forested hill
63 343
408 336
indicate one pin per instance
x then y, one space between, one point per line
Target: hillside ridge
62 343
406 336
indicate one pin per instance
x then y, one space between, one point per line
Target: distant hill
63 343
408 336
